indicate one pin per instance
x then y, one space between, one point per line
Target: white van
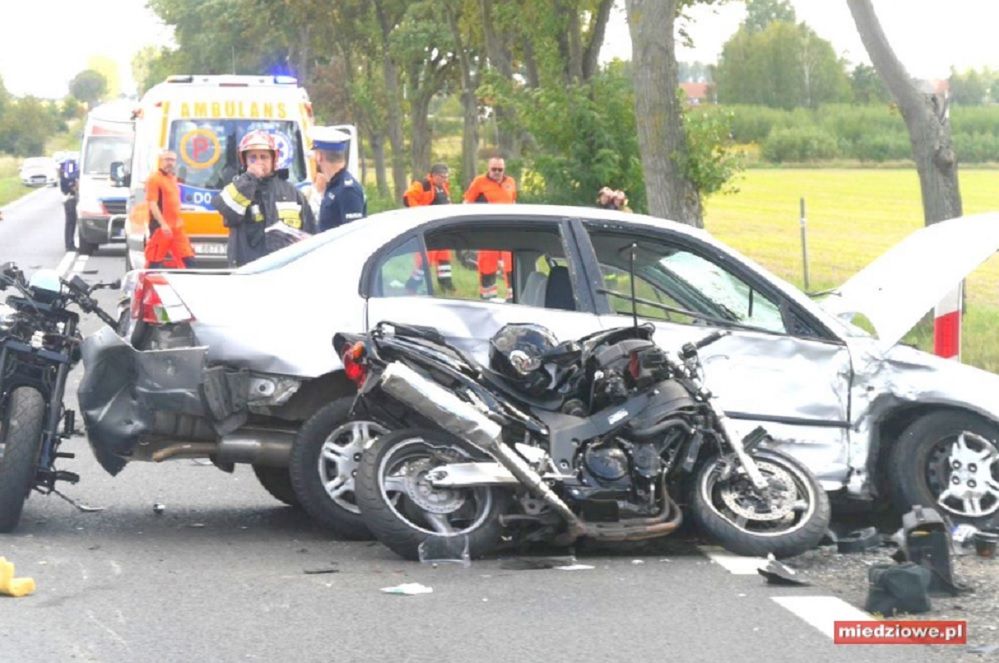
100 207
202 118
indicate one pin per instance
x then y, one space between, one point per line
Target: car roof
397 220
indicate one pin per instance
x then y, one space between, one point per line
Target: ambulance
101 201
202 118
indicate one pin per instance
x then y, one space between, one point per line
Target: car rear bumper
128 396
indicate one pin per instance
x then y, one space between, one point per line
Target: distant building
699 93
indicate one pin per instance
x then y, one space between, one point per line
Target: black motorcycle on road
599 438
39 346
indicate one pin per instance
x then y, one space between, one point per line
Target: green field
853 216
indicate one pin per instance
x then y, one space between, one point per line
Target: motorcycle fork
737 446
46 474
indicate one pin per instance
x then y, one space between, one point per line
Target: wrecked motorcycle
597 438
39 346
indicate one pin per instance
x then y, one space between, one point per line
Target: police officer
343 195
69 184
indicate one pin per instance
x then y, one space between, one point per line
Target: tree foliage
761 13
88 86
972 87
25 126
784 65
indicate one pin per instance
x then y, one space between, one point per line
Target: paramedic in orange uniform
168 245
493 187
434 189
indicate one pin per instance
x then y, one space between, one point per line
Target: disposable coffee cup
985 544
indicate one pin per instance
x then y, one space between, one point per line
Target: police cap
329 139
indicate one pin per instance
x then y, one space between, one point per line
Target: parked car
230 364
39 171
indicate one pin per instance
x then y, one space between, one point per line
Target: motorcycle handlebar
710 338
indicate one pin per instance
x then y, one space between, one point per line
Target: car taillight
354 366
157 303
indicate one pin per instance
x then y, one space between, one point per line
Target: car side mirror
118 174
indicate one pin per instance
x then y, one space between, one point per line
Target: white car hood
900 286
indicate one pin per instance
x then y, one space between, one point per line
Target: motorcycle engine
606 463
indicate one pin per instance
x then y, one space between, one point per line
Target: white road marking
735 564
64 264
822 611
81 262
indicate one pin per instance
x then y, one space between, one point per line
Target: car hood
900 286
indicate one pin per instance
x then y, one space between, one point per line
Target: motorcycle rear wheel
20 443
403 510
788 521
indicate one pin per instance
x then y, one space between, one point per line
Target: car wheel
948 461
323 465
84 247
276 481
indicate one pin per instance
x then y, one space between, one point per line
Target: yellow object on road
12 586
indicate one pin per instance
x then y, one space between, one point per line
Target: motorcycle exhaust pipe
456 416
257 446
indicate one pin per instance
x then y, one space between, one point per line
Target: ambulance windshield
206 149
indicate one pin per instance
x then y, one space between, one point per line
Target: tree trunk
421 138
469 105
378 152
598 29
657 112
502 61
393 93
926 117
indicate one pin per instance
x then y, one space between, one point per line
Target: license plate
209 248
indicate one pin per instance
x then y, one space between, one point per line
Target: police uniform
343 200
69 181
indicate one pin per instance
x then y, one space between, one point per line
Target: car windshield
102 151
206 149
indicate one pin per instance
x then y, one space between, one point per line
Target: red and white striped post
947 325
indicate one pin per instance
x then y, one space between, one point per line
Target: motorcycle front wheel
20 443
403 510
786 519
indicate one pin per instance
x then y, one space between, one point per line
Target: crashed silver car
238 367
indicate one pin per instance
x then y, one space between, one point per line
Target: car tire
276 481
311 472
920 466
20 443
83 247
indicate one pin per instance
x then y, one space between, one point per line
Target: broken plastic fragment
409 589
158 508
12 586
445 549
778 573
574 567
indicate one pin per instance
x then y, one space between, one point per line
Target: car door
469 276
778 367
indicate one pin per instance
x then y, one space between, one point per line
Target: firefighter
495 186
343 195
434 189
263 211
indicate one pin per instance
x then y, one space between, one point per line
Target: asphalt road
225 573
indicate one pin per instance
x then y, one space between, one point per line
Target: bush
799 144
975 120
881 147
752 124
976 148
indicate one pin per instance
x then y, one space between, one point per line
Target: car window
676 284
482 261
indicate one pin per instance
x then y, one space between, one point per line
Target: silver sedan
238 367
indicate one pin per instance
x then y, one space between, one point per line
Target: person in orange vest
434 189
168 245
495 186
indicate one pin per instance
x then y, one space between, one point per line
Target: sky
929 36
